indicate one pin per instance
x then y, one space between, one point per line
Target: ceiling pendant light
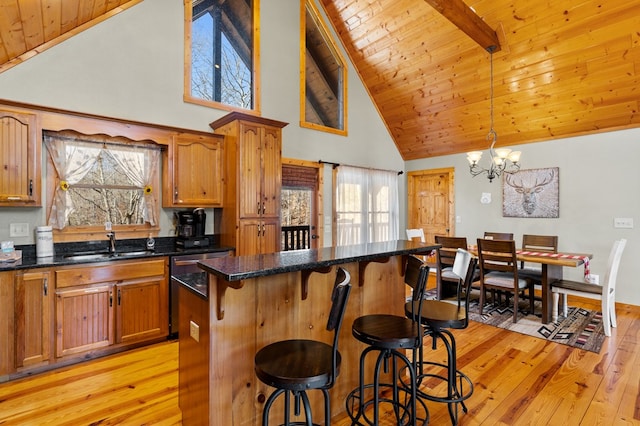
503 160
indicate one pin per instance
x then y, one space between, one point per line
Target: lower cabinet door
142 310
32 318
84 319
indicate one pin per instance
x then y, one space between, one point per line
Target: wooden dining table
552 269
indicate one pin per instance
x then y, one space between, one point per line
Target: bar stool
390 336
295 366
437 316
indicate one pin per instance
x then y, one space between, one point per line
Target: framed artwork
531 193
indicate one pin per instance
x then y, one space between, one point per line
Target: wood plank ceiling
564 68
28 27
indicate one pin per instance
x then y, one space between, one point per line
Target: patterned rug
582 328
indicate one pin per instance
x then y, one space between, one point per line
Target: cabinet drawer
114 271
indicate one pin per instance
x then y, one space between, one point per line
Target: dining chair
539 244
606 293
499 271
446 280
498 235
437 317
416 233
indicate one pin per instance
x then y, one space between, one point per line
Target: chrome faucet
112 242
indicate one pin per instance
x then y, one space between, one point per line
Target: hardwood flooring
518 380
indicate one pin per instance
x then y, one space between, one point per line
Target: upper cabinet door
193 172
19 155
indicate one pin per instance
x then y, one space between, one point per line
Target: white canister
44 241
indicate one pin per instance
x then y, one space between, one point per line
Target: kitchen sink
133 253
88 256
105 255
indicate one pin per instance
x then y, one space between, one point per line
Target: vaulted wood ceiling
28 27
564 68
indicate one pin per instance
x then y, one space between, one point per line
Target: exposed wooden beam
463 17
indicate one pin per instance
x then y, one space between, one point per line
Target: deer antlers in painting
529 193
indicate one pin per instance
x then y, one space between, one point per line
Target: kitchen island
248 302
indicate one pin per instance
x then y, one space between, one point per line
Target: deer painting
530 188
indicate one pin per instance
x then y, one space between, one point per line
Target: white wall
131 67
599 180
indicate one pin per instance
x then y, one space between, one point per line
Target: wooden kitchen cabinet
142 310
259 236
20 148
7 333
33 317
253 175
84 319
193 171
111 304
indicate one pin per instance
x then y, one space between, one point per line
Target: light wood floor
518 380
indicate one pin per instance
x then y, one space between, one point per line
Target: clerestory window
323 101
221 45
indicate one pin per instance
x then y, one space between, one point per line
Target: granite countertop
198 282
125 249
244 267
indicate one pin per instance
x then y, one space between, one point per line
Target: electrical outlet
623 222
194 331
19 230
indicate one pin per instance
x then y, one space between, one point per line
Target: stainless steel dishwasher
184 264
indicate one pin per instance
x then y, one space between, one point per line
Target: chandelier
503 160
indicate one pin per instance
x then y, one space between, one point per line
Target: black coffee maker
190 228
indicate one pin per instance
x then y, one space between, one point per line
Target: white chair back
461 263
612 266
416 233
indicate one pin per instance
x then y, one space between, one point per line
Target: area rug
582 328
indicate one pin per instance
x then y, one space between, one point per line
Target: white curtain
139 164
367 206
72 163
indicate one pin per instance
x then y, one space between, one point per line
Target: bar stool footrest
357 411
460 393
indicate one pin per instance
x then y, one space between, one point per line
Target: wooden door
141 310
430 202
250 179
20 143
271 171
32 317
84 319
305 176
197 171
249 237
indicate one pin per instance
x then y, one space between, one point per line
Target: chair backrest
415 275
539 243
447 253
612 266
464 267
339 298
498 235
497 255
416 233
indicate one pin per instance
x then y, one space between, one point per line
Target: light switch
19 230
623 222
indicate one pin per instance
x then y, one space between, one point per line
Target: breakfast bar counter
252 301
